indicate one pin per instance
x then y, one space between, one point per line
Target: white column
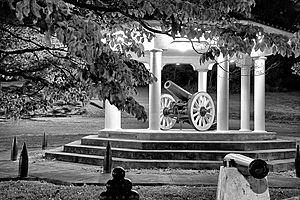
112 116
155 89
202 81
245 98
259 94
222 94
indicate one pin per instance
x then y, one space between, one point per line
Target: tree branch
27 50
41 66
114 9
24 75
41 47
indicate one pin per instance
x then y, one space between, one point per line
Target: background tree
95 39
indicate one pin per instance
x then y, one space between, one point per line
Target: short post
107 162
23 162
243 178
44 142
14 150
119 187
297 162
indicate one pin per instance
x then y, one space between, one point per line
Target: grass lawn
42 190
280 107
282 110
282 113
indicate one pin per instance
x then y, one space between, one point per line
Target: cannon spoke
195 109
161 117
198 119
201 100
208 108
164 122
197 104
169 104
208 115
163 102
202 121
196 113
206 102
206 119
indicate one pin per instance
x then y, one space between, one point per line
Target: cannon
247 166
196 109
242 177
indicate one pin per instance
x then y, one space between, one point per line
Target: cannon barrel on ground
247 166
177 91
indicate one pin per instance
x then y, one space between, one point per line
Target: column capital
201 70
156 50
259 58
244 66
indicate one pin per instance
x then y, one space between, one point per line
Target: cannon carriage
181 106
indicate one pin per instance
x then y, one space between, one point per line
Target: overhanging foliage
96 37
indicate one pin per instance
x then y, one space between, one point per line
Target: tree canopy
75 49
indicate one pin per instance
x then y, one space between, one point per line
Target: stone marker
297 162
44 142
23 162
14 150
107 162
119 187
243 179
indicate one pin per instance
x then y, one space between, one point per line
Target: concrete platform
186 149
186 135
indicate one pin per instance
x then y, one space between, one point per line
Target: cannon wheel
166 122
201 111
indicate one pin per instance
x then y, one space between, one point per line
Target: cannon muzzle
177 91
247 166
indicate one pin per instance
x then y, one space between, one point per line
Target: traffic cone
14 150
107 162
44 142
297 162
23 162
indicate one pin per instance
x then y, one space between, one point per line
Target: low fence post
107 162
297 162
23 162
44 142
14 150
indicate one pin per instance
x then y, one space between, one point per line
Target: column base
223 131
259 131
111 129
155 130
244 130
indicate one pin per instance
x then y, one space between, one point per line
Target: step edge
185 150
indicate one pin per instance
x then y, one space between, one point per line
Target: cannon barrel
177 91
247 166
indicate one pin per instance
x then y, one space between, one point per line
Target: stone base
232 185
185 149
186 135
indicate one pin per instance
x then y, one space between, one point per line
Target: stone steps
188 145
278 165
185 149
270 154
